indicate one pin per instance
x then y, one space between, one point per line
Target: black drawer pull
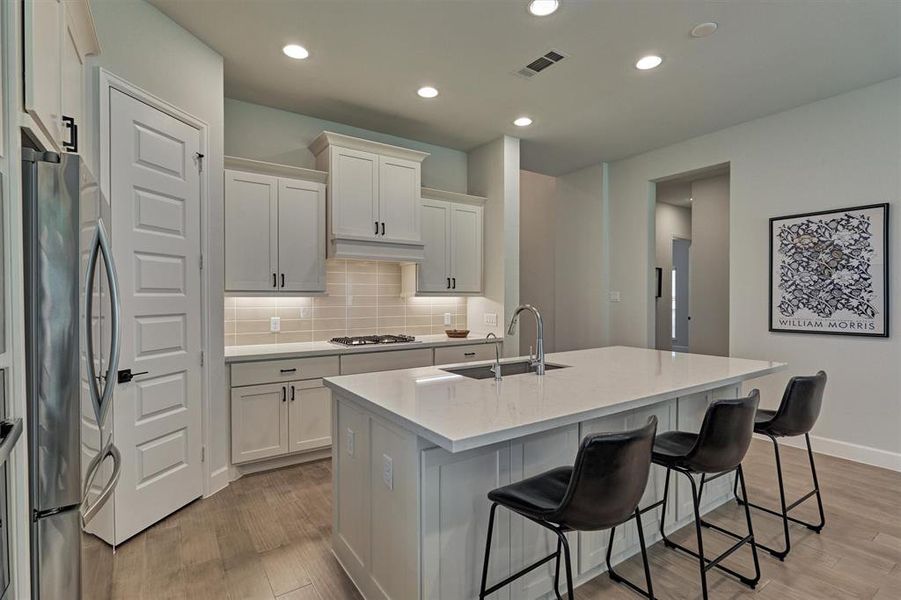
292 393
469 354
294 370
455 282
274 281
376 227
284 394
383 228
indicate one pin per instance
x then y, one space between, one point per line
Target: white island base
410 517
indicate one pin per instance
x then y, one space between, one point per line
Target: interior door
251 221
434 270
681 278
354 182
301 236
466 253
155 200
399 198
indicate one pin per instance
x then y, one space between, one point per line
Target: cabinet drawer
370 362
462 354
276 371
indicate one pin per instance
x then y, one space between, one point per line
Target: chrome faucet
496 369
538 362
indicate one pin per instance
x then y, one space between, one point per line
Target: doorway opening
691 219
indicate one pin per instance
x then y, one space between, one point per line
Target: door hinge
199 156
203 454
201 358
201 262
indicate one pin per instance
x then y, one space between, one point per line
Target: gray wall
580 260
837 152
273 135
146 48
538 209
670 222
709 270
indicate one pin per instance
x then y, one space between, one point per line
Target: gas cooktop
366 340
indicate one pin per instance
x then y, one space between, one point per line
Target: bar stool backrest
608 479
725 435
800 405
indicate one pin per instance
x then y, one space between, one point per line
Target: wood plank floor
266 536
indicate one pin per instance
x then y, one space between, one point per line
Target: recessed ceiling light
703 29
522 122
543 8
295 51
648 62
427 92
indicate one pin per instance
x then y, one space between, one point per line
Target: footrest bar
515 576
690 552
801 499
779 514
716 561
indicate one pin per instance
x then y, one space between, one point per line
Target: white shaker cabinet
259 422
373 198
59 35
309 416
452 232
274 229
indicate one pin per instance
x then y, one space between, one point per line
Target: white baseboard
219 480
281 461
854 452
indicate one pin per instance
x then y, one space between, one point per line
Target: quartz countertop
458 413
304 349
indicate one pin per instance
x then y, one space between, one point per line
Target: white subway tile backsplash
363 299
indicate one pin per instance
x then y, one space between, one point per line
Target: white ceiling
368 57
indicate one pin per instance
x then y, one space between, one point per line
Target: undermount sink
521 367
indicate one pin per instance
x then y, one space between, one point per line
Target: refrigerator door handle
89 511
101 399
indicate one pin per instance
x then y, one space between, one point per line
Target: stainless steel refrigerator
72 347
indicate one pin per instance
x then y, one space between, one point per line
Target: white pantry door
155 199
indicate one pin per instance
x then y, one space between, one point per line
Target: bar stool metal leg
557 571
614 576
786 508
487 549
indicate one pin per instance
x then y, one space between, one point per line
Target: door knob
125 375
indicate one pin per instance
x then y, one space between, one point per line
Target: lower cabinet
279 418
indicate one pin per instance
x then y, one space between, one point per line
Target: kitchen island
416 451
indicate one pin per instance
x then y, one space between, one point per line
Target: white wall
708 331
580 260
538 210
493 172
146 48
670 222
279 136
842 151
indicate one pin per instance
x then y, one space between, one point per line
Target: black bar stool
716 450
600 491
796 415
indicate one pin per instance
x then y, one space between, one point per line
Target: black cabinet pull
72 144
284 394
283 280
383 228
274 282
376 227
448 283
294 370
469 354
292 393
455 283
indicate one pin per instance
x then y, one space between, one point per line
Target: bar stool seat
672 448
763 419
537 497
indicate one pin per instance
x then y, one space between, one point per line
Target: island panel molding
829 272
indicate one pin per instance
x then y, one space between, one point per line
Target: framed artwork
829 272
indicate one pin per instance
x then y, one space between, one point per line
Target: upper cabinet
452 232
274 228
59 35
373 198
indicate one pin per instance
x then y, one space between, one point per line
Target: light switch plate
350 442
275 324
491 319
447 318
388 471
615 296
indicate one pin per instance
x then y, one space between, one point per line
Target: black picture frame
886 302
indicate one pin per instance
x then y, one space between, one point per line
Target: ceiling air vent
549 59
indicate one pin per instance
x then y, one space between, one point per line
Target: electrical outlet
388 471
447 318
275 324
349 441
615 296
305 312
491 319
